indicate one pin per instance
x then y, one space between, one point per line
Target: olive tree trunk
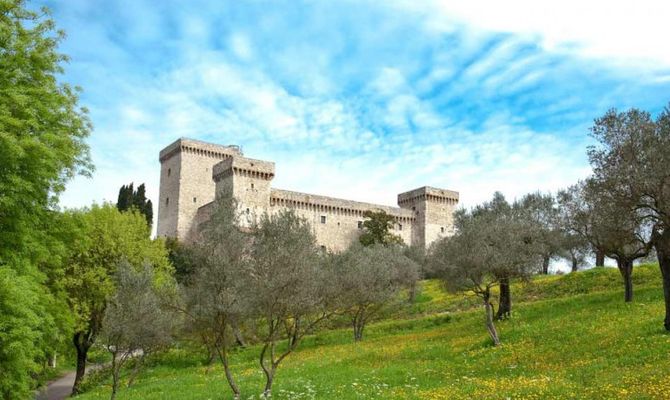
600 258
360 316
505 300
489 318
545 264
626 269
662 245
116 369
575 264
229 376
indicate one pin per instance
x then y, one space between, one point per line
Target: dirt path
58 389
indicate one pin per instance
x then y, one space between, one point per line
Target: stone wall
337 223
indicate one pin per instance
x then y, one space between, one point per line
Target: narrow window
167 201
399 227
195 199
247 211
323 219
169 171
360 224
442 229
252 185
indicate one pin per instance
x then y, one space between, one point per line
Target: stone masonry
193 172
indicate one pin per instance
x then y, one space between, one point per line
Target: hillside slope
572 337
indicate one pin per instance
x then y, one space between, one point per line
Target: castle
193 172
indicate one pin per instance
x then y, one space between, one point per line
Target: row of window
167 200
360 223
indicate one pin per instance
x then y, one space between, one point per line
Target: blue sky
362 100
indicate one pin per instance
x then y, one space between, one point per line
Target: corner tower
186 183
433 209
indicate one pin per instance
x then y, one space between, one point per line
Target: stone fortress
193 172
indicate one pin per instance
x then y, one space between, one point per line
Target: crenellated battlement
199 148
332 205
428 193
246 167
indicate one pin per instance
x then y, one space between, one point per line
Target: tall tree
215 299
107 237
631 160
288 288
377 227
42 146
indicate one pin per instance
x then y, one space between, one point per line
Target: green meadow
570 337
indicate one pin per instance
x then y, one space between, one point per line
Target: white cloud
632 33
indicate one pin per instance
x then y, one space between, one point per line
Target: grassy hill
571 337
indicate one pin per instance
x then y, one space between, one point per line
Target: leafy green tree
376 229
107 237
42 146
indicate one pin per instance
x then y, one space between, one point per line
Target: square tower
186 183
248 181
433 209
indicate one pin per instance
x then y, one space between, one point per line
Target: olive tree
288 286
368 278
483 251
136 321
575 249
214 297
631 160
609 223
540 210
498 210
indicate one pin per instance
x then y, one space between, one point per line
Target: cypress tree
137 199
125 199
